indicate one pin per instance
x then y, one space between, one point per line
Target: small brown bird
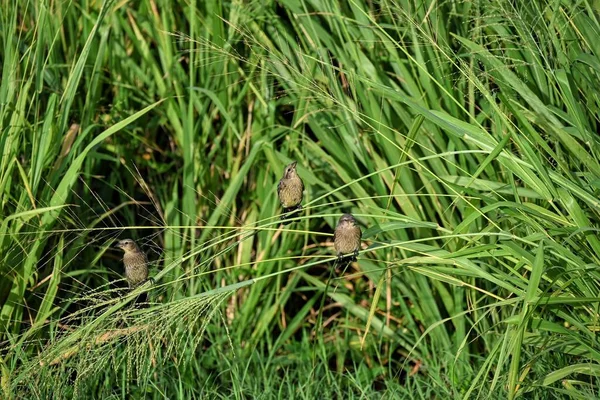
347 236
136 263
290 189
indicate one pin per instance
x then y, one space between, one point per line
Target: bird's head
127 245
290 170
347 219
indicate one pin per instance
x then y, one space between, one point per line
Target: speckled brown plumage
290 189
347 236
135 262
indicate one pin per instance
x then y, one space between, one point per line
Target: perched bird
290 189
347 236
136 263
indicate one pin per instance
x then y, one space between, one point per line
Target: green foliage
462 135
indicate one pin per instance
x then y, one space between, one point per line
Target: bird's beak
118 245
293 165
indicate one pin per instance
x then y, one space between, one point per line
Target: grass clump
461 135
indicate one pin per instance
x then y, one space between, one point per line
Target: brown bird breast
136 267
290 191
346 238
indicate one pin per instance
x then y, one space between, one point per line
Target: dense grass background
462 135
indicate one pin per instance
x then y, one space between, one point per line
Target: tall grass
462 135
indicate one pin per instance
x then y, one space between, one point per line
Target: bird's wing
280 186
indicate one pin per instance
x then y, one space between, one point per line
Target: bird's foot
290 212
284 213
